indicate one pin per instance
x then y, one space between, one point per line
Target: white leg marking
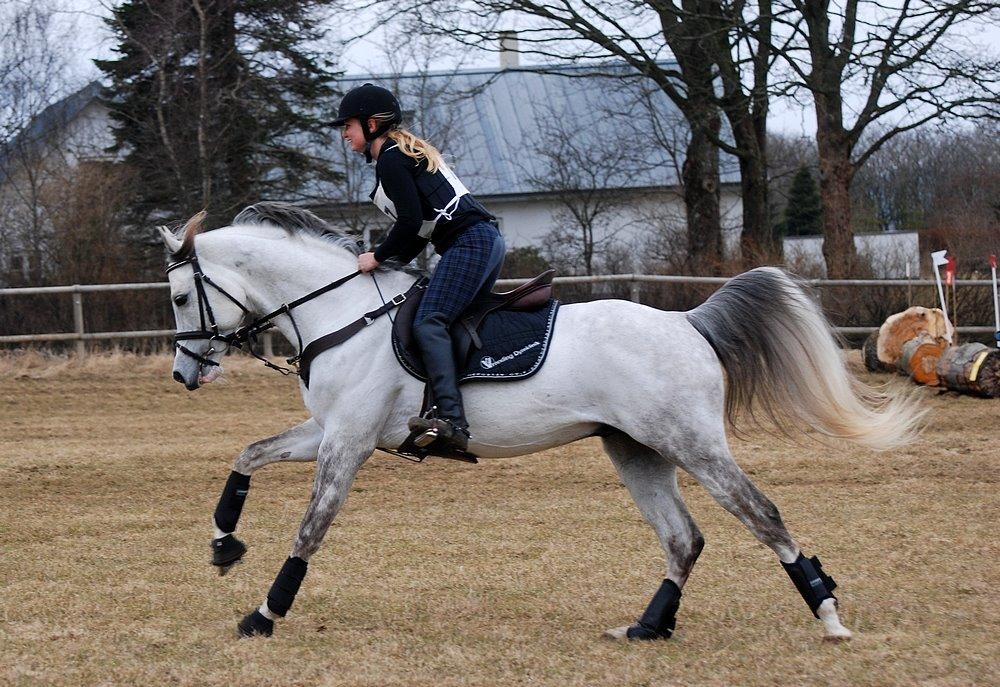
617 633
835 632
219 534
266 612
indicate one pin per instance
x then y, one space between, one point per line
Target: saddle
469 332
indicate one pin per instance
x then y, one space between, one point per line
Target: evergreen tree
219 103
803 214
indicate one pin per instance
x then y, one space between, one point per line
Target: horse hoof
223 569
617 634
840 635
227 551
255 625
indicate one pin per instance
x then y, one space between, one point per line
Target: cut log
919 358
972 369
870 354
907 325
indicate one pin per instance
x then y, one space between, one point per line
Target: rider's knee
430 326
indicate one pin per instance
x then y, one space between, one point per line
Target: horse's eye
181 299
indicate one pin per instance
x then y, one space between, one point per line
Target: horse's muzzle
190 386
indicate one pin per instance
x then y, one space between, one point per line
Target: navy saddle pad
514 342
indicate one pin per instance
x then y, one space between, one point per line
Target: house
34 168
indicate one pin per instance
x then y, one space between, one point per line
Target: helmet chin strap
371 137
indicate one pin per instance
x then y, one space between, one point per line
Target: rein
248 333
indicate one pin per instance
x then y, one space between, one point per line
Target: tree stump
907 325
920 357
870 354
971 368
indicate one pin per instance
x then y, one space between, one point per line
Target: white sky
91 39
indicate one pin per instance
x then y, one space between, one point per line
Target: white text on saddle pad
489 363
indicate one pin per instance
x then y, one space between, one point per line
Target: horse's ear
172 242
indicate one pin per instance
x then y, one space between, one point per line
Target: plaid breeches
468 268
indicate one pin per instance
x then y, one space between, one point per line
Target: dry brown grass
447 574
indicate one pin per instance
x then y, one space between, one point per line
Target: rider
427 203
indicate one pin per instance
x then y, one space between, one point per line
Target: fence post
635 286
81 346
268 344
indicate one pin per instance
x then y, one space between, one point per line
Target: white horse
656 386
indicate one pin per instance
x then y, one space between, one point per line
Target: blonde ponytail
415 147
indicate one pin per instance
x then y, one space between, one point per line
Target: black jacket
426 206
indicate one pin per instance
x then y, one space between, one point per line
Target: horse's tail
781 358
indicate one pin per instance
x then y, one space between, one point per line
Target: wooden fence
635 282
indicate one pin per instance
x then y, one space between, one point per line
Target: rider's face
353 134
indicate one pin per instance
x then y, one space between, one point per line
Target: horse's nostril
178 377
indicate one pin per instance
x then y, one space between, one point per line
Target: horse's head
208 303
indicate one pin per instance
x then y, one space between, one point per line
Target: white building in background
891 254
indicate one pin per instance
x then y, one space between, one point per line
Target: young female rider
428 203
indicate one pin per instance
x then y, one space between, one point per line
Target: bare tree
586 177
31 80
871 67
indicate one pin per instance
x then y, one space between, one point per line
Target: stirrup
439 430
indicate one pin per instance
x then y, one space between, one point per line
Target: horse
758 348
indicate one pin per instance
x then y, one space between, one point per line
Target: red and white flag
949 272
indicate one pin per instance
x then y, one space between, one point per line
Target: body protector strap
234 494
286 585
813 584
660 616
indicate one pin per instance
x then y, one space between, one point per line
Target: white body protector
385 204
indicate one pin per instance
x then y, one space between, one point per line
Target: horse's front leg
300 443
338 464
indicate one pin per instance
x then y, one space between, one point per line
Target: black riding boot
450 424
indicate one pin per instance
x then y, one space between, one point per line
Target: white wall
526 221
889 253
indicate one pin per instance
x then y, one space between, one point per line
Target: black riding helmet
365 102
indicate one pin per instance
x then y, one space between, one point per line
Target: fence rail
80 336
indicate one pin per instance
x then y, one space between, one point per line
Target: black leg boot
449 429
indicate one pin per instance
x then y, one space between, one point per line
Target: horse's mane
292 219
296 220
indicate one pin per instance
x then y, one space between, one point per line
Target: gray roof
499 124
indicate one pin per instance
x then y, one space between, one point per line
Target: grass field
505 573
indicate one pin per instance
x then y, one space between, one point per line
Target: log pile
909 342
972 369
907 325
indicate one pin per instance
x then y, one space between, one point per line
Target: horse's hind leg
652 481
728 484
300 443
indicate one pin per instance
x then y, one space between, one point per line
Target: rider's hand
367 262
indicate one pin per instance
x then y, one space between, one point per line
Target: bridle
247 333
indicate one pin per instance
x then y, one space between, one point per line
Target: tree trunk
971 368
835 174
700 176
757 243
920 357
